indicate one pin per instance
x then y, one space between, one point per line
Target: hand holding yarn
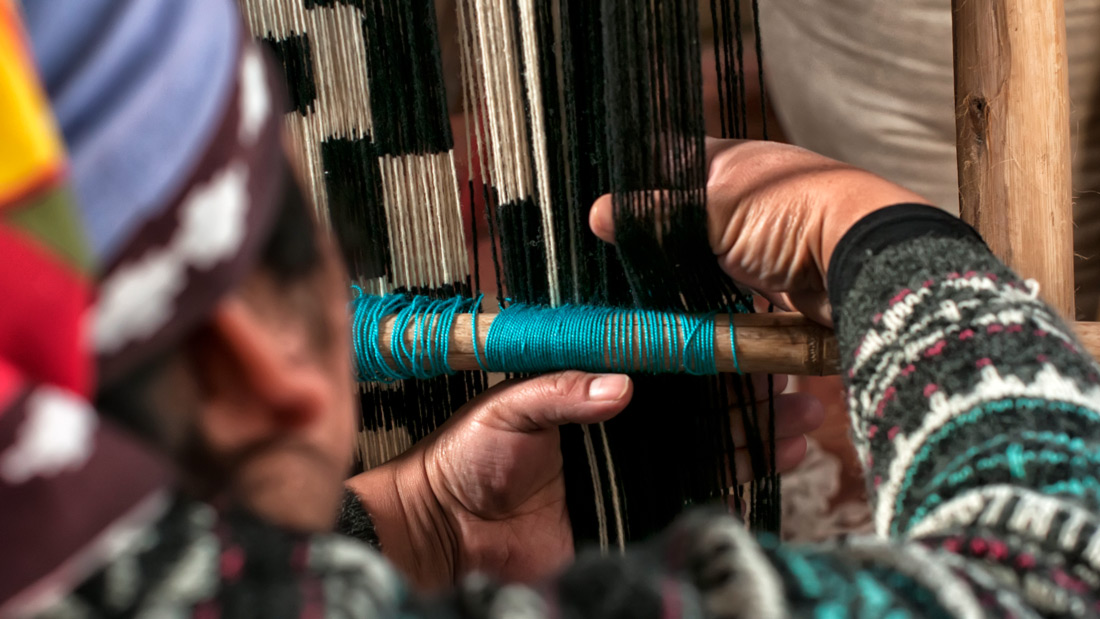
485 492
776 213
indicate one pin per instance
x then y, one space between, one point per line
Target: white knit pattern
1049 384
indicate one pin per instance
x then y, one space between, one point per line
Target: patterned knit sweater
976 412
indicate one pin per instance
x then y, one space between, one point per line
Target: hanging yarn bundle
564 100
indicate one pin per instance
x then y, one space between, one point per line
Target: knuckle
565 384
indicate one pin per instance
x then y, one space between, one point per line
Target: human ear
258 376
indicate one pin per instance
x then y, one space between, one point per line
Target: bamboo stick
1013 136
778 343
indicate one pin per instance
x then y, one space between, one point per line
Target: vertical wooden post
1012 126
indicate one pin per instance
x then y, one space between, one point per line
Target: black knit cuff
881 230
355 522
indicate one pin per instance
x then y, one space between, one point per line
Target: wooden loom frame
1015 183
1013 139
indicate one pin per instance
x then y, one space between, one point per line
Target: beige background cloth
870 82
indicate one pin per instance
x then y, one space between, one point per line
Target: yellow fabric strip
31 153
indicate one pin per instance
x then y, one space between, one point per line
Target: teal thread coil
527 338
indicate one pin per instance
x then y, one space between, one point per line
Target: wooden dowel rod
778 343
1013 136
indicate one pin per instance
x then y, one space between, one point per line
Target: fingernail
608 388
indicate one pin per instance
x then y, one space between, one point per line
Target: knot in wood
978 117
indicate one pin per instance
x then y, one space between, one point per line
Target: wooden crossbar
777 343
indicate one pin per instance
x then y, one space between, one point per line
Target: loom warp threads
564 101
527 338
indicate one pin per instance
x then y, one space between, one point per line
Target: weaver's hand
776 213
485 491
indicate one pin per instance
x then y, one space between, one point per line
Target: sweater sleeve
354 521
974 408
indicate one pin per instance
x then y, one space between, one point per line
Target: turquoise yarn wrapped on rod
431 321
527 338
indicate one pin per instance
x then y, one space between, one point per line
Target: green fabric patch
52 220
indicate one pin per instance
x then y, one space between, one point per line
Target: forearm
960 379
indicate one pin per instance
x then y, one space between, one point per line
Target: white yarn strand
538 136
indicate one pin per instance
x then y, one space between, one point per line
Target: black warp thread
293 55
740 47
657 175
407 97
760 68
489 196
662 239
764 497
589 271
632 122
353 183
409 112
577 155
523 240
585 144
475 240
563 211
584 157
524 250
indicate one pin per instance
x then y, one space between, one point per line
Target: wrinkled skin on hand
775 214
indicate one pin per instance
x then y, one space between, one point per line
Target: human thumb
552 400
602 219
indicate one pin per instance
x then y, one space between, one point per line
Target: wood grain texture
1013 136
